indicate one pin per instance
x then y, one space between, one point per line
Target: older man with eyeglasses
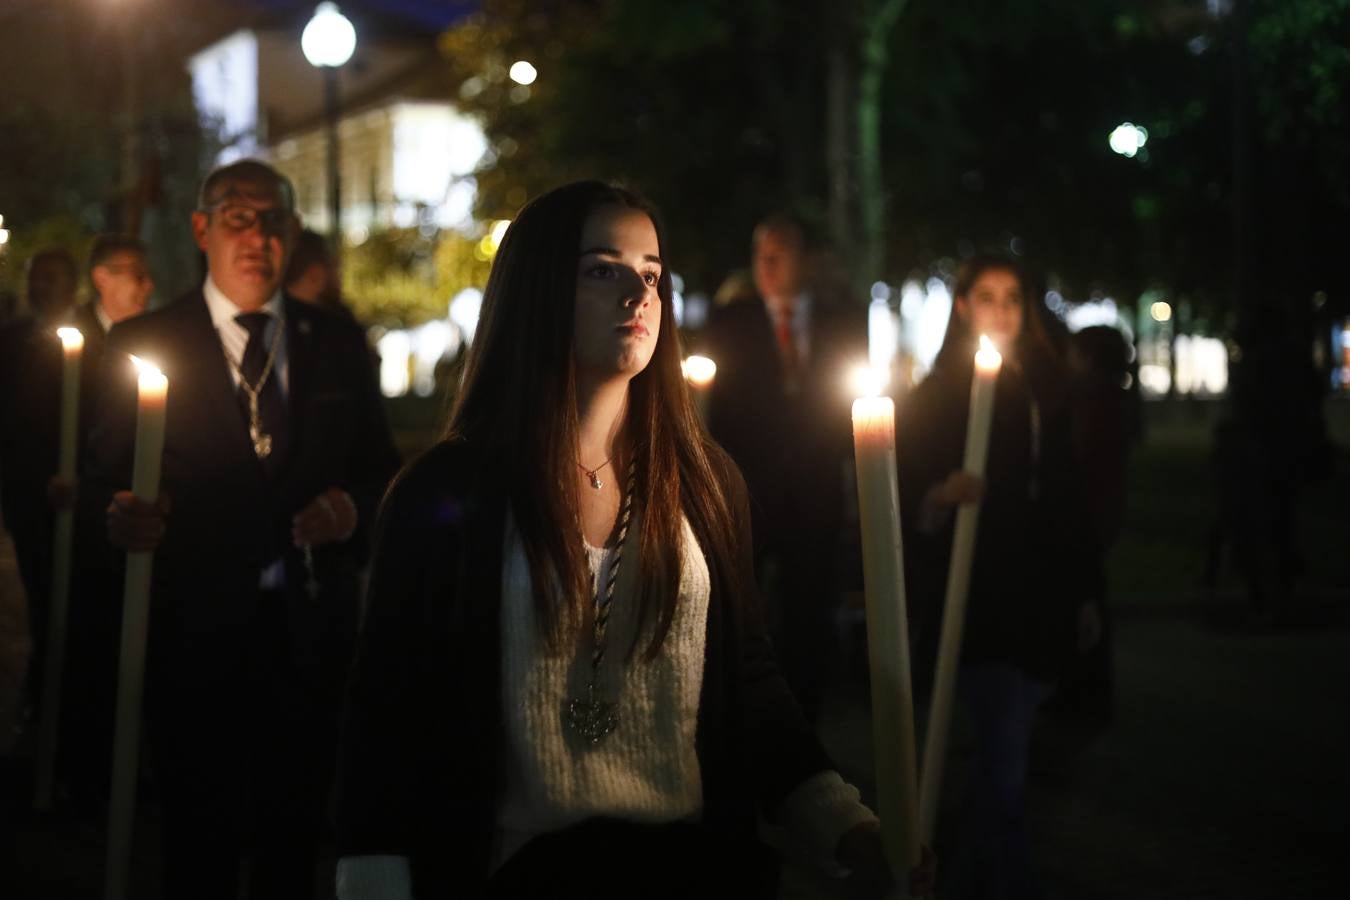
277 451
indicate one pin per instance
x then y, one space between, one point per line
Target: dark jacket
1036 556
420 760
230 519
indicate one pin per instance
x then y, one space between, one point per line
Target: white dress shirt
234 337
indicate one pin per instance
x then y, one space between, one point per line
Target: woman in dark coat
563 686
1036 576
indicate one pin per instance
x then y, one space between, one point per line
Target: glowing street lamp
328 42
1128 139
523 73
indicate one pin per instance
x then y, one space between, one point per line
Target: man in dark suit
119 273
780 407
276 453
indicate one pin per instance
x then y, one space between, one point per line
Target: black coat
1036 556
420 762
229 519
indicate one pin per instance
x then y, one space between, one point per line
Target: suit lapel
300 365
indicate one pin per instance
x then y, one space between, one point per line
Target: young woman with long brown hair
563 686
1036 577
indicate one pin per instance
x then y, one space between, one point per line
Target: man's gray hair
215 188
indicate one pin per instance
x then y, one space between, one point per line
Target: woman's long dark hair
518 402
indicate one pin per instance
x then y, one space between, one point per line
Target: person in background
1270 447
1105 427
30 422
312 275
562 685
276 451
50 283
780 406
119 273
1036 578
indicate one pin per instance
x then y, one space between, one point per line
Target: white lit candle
72 346
988 362
150 421
887 632
700 371
152 392
979 423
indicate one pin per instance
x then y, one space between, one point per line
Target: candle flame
868 381
145 367
987 358
699 370
71 338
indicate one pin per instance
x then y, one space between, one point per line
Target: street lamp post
328 42
330 115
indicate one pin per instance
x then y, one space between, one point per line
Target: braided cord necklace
592 718
262 442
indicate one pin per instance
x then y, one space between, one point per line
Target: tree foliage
399 277
993 131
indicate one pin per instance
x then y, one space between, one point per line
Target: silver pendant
595 480
262 443
591 719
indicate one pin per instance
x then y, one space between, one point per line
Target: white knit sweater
647 769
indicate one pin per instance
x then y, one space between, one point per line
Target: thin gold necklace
594 474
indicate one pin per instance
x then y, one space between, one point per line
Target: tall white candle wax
887 631
72 347
150 421
63 537
979 423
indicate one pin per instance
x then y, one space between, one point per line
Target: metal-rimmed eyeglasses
237 217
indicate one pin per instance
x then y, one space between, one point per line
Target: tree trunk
872 199
856 69
839 155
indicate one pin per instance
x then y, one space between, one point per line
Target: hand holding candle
887 632
72 348
979 424
150 421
